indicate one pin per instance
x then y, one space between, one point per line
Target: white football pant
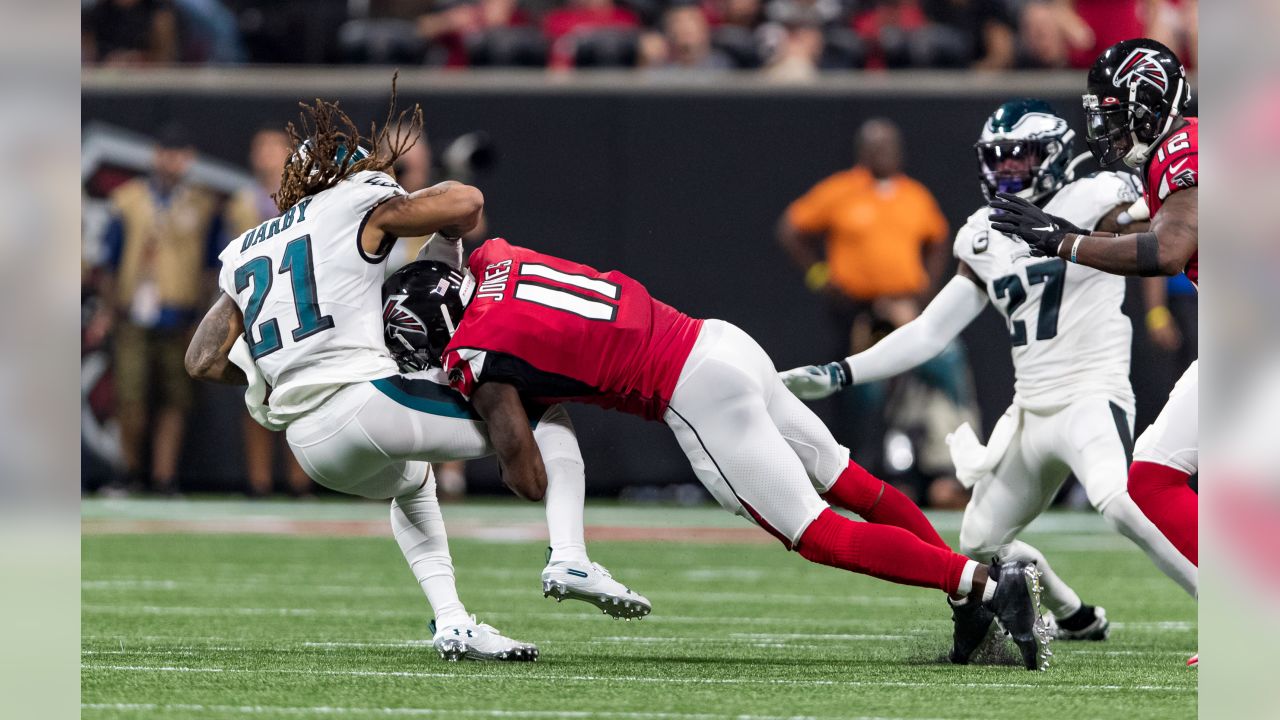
1090 438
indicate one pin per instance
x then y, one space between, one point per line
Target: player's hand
814 382
1020 218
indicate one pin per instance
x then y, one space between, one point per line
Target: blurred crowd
789 39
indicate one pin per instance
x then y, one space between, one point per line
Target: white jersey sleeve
1068 336
311 296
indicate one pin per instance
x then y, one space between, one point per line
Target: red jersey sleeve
1176 166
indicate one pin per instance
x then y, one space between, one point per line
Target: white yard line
453 712
541 678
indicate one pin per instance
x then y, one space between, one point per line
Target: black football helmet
1137 89
422 304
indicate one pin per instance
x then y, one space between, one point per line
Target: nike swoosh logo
1175 168
1046 228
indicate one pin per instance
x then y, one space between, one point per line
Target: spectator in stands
971 33
253 204
161 249
871 242
685 42
735 25
1047 32
891 28
565 26
130 32
1106 22
453 24
796 52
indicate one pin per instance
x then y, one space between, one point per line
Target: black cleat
1016 605
973 625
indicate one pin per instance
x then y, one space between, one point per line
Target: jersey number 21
298 265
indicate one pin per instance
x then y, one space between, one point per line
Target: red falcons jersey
558 331
1176 166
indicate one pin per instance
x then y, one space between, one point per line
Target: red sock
881 551
1163 495
879 502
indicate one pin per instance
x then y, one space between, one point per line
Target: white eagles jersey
1069 337
311 297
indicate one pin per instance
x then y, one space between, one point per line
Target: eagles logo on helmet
1152 93
1025 149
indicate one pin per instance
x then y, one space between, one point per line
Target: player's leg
719 414
419 531
1095 439
417 419
336 451
837 478
1164 459
569 573
1005 502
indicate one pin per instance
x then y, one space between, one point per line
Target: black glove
1020 218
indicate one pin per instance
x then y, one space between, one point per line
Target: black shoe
1016 604
973 625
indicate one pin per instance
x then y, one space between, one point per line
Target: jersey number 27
1053 273
301 270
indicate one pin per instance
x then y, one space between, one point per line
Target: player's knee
1147 480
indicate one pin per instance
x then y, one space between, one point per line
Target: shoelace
600 569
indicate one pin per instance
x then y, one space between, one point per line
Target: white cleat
475 640
593 584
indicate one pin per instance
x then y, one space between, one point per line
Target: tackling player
522 325
1073 405
1136 96
301 312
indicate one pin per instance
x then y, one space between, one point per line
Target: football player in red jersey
1137 93
523 326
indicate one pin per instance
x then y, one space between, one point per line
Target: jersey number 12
1053 273
302 276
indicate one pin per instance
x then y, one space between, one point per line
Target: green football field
223 609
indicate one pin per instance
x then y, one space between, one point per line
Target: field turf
200 609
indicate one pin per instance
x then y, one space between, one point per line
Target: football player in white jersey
1073 405
301 313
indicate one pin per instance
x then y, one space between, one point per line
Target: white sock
1126 517
966 578
419 531
566 486
989 591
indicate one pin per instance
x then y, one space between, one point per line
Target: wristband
816 277
1159 318
846 373
1075 246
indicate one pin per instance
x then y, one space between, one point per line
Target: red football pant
881 551
1165 497
876 501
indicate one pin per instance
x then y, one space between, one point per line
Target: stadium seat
610 47
379 41
507 47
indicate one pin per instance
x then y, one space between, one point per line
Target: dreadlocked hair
333 138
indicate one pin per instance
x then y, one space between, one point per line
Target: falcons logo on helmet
1142 66
396 315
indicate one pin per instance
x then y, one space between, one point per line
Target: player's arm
449 208
208 355
917 342
512 439
1164 249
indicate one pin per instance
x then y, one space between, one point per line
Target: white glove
814 382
